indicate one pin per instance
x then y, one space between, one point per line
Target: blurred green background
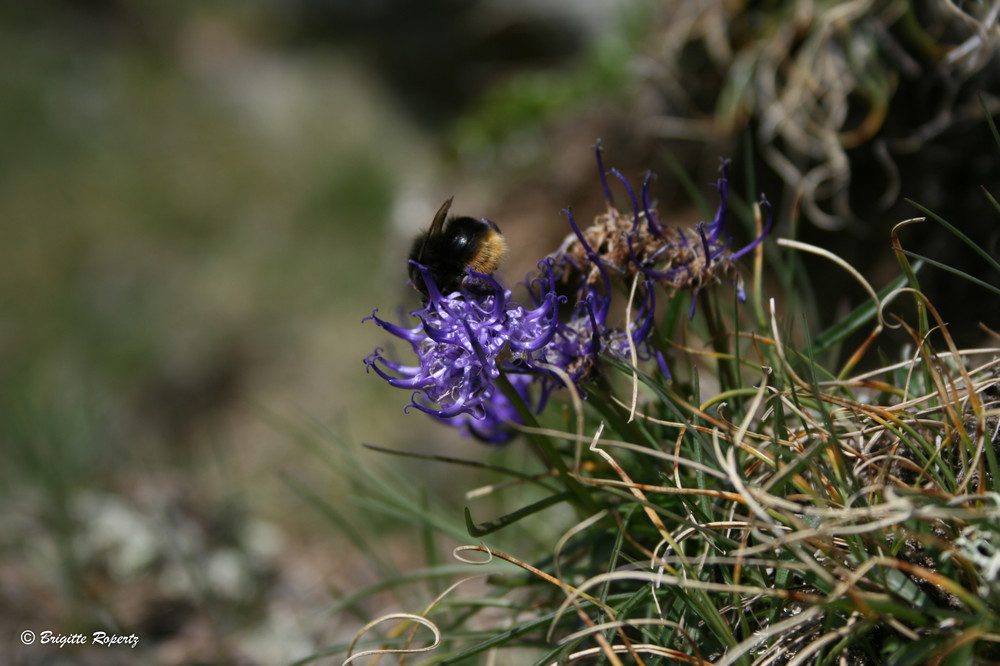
200 201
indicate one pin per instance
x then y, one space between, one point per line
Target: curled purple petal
662 363
631 195
602 173
654 227
766 207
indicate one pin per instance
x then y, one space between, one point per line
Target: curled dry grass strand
352 656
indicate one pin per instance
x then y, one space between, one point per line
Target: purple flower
463 341
627 244
634 247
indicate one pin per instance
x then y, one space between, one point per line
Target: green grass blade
954 230
954 271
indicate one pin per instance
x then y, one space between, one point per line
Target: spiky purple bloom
637 243
462 342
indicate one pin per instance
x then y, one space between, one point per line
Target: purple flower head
462 343
638 243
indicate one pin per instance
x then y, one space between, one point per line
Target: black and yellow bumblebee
452 246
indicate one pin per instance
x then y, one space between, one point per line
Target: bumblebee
452 246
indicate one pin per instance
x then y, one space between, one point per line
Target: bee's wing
440 217
436 225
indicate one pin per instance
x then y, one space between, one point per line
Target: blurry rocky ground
201 201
